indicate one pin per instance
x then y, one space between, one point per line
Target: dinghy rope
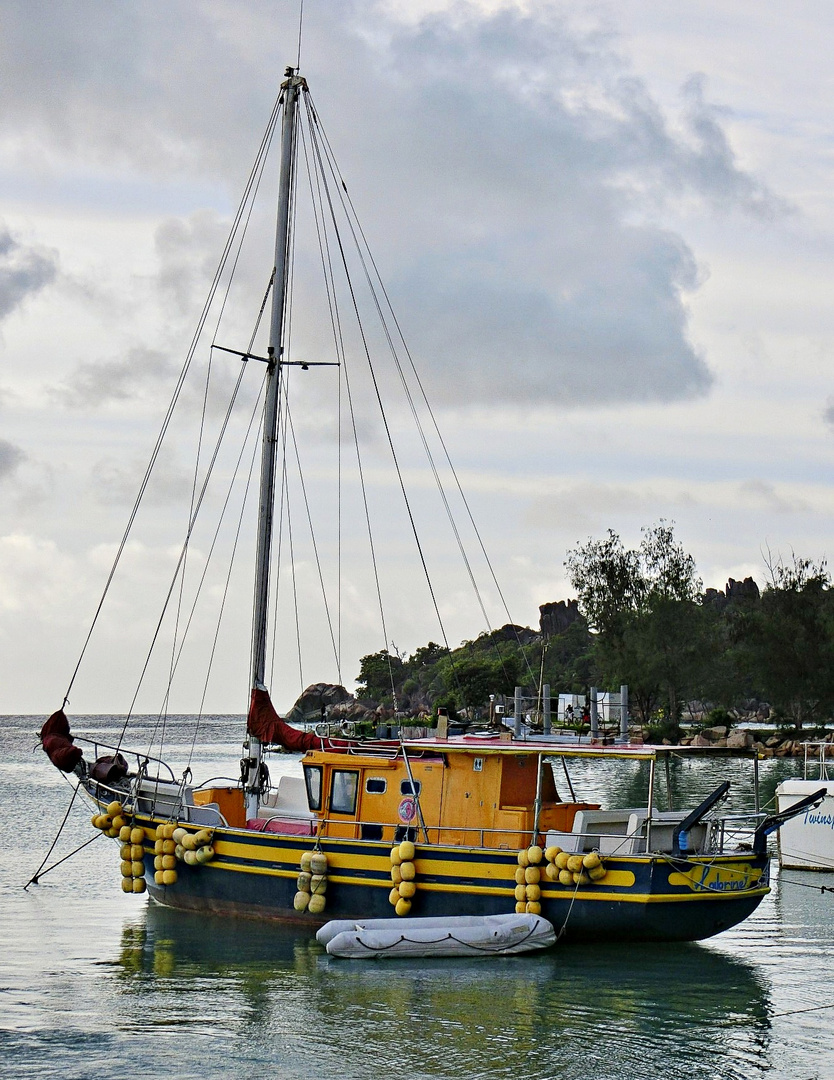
570 909
440 940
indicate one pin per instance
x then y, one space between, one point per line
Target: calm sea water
94 983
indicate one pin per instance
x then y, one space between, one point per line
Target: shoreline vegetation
698 662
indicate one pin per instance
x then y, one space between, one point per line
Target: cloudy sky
607 231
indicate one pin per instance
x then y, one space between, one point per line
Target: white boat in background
806 841
464 935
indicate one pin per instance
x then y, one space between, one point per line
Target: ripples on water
94 983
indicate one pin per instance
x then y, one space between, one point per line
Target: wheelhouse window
344 788
409 788
312 779
376 785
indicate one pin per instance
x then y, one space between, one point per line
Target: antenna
300 23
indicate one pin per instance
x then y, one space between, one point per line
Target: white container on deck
806 842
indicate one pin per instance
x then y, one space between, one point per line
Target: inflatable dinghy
464 935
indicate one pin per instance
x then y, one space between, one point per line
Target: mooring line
34 879
42 873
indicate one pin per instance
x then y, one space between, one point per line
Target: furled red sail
56 739
265 724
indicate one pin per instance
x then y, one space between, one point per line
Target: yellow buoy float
564 868
403 875
311 883
528 875
316 903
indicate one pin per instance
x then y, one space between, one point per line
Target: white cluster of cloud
525 168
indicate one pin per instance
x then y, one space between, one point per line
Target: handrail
101 787
140 757
434 833
818 760
235 782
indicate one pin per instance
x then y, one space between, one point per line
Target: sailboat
434 828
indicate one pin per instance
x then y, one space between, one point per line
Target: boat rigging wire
249 190
294 590
313 540
300 24
352 219
384 417
316 203
339 344
175 652
184 548
282 428
246 491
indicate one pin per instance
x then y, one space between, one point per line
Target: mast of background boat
252 763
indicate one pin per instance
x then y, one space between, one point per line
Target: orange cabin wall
229 802
490 806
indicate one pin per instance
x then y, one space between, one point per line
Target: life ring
348 729
407 810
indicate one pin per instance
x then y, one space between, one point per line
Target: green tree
471 679
791 641
569 661
644 605
380 673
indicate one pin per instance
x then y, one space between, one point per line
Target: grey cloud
513 173
170 482
188 251
97 382
10 458
712 163
586 507
588 337
764 494
24 271
828 413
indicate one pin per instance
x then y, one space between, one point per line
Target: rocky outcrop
735 592
555 618
522 635
317 702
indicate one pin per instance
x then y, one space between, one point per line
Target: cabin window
376 785
343 791
407 787
405 832
312 778
371 832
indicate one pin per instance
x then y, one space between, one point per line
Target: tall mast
291 88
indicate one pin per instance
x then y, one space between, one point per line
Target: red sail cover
56 739
265 724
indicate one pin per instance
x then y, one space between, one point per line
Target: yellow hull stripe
566 893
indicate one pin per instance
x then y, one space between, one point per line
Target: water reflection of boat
579 1010
806 842
434 827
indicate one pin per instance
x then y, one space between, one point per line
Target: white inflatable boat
464 935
